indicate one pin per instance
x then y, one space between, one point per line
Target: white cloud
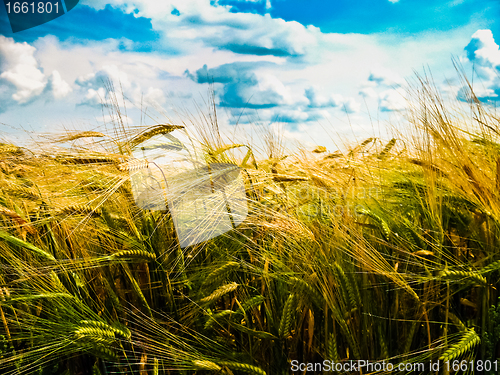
20 70
217 26
351 106
485 54
292 72
110 119
23 78
392 100
57 86
94 98
386 77
483 50
317 100
155 96
368 92
95 85
270 84
108 73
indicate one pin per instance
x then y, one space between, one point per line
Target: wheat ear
469 339
219 292
287 316
206 365
243 367
134 254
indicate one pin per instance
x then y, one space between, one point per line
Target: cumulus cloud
384 77
485 54
368 92
387 87
19 69
139 82
94 98
317 100
350 105
57 86
291 116
186 23
243 87
392 100
108 73
22 78
155 96
483 50
263 35
93 85
110 119
235 45
226 73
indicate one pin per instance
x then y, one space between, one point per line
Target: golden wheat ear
151 132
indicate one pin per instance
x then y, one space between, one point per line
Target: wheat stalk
383 224
492 267
100 351
387 148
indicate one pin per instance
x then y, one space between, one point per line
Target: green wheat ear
308 291
287 316
218 274
206 365
384 227
122 331
212 319
332 352
224 289
95 370
492 267
243 367
14 241
473 277
469 339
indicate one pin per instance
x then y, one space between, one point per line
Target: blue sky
313 70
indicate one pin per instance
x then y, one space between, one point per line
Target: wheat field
386 250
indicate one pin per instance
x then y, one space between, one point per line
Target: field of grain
386 250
